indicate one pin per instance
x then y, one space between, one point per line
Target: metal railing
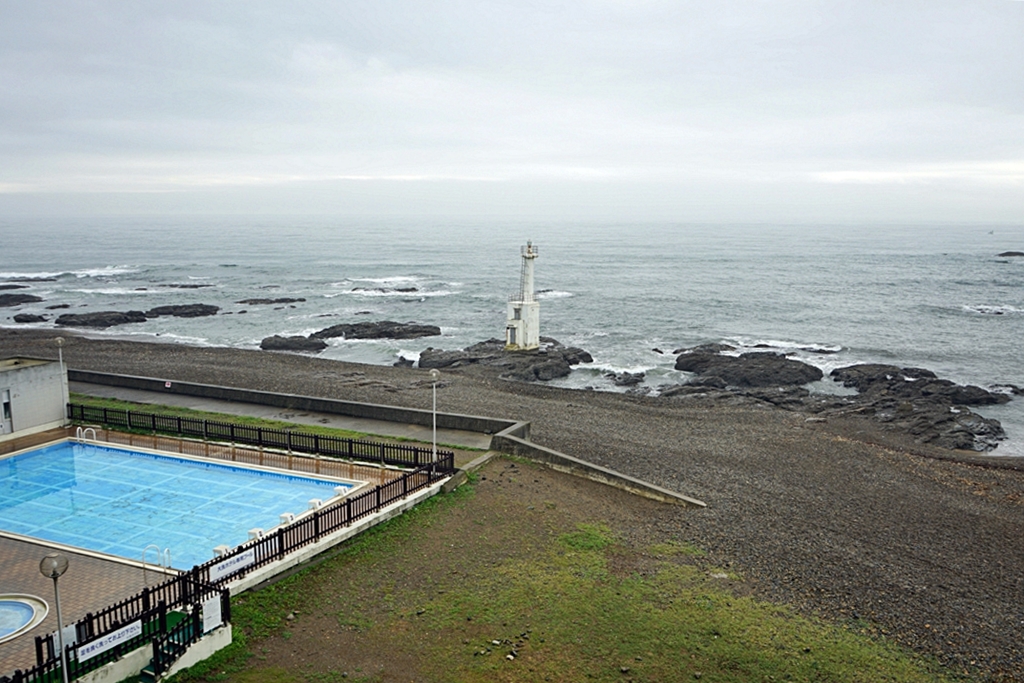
122 628
401 455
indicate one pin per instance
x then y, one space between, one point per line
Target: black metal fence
401 455
191 588
150 608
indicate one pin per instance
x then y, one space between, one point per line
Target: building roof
19 362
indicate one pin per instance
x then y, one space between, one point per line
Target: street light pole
63 375
434 375
53 567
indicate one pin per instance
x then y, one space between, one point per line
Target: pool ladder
83 434
163 559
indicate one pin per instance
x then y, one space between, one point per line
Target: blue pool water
14 615
118 501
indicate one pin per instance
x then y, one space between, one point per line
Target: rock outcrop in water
29 318
257 302
18 299
754 369
384 329
912 401
1012 253
183 311
294 343
550 361
101 319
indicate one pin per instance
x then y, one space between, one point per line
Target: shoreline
1010 448
839 519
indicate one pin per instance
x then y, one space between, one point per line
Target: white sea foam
395 293
113 291
18 275
553 294
414 356
779 346
384 280
605 368
106 271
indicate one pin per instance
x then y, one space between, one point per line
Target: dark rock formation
912 401
101 318
550 361
18 299
186 286
875 381
385 329
295 343
183 310
1012 253
29 318
755 369
57 306
626 379
257 302
3 287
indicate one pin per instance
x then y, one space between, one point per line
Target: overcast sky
749 110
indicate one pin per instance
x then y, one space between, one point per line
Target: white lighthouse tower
522 331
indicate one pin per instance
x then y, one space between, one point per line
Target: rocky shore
909 401
838 516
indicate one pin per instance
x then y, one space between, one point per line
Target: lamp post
59 341
434 375
53 567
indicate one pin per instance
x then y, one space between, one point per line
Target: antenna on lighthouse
522 330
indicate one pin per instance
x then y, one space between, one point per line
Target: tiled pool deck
89 585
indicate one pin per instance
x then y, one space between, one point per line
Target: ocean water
928 296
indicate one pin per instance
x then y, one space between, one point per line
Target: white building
522 331
33 396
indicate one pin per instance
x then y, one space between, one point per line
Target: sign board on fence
232 565
211 614
111 640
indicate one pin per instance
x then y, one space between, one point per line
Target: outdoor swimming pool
119 501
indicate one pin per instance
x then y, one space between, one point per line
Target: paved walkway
449 437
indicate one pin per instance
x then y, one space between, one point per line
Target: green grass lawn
493 583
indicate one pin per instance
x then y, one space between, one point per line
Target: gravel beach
840 519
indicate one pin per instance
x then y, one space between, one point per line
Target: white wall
39 394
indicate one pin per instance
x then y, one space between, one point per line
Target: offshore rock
912 401
551 361
183 311
754 369
18 299
29 318
295 343
101 318
385 329
932 410
282 300
1012 253
2 287
626 379
877 380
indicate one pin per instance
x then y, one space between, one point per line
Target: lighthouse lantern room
522 331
